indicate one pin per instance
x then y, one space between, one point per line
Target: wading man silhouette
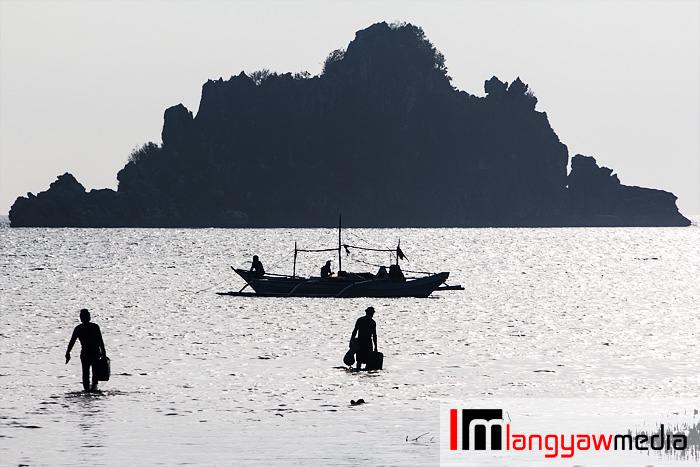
366 332
257 268
92 348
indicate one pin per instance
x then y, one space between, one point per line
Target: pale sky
82 83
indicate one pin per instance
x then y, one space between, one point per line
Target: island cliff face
381 136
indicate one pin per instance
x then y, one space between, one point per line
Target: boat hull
341 286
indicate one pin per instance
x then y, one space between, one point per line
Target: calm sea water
203 379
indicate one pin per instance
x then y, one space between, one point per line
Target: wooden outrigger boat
342 285
391 283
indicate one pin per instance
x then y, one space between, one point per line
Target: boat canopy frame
339 249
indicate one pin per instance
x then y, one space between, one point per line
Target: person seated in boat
395 273
326 270
382 274
257 268
366 332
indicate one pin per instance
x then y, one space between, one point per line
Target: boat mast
340 258
294 271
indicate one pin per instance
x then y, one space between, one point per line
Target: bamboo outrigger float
391 283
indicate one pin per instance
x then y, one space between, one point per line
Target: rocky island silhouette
380 136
